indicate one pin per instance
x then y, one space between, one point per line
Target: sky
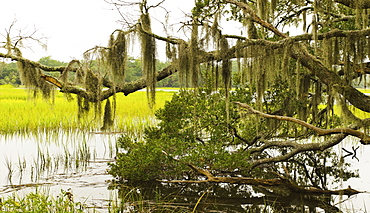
72 26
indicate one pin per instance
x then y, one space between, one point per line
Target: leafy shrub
197 127
194 128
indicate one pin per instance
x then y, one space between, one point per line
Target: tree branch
328 77
281 181
297 148
355 4
35 64
365 139
257 19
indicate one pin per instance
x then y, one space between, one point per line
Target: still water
77 162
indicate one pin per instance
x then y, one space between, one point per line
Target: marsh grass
46 158
21 113
41 202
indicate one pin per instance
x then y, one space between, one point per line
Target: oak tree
319 69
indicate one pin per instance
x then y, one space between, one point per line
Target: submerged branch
281 181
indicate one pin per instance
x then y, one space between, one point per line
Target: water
359 202
77 162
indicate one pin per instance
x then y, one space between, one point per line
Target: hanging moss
183 63
117 57
108 116
193 57
148 57
336 54
31 78
93 85
315 30
226 64
171 51
273 5
83 107
262 6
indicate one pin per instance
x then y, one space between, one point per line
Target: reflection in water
156 197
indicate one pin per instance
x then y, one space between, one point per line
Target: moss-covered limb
131 87
365 139
257 19
280 181
356 4
296 148
161 38
34 63
335 33
126 89
330 78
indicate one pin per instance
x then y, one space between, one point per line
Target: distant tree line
9 73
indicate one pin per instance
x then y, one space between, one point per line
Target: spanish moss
148 57
193 57
30 77
117 57
108 116
183 63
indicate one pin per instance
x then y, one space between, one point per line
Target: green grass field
21 113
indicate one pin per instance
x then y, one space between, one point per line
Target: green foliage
134 72
193 128
47 61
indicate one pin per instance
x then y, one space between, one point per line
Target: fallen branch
264 182
365 139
